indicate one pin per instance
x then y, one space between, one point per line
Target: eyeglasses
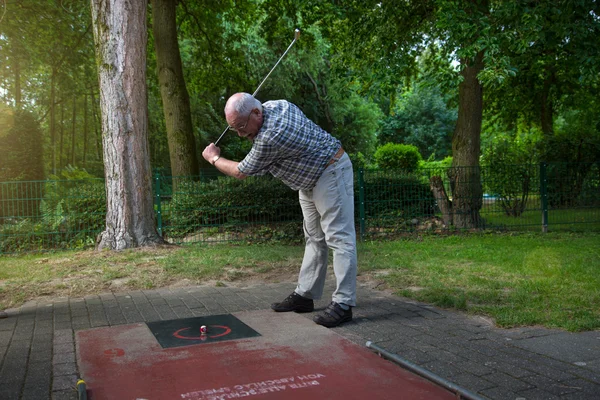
241 128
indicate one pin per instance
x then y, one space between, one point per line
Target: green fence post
361 202
158 205
544 195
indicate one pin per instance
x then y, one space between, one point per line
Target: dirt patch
374 280
82 275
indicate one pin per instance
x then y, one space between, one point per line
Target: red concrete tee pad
292 359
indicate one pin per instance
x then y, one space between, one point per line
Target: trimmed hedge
231 202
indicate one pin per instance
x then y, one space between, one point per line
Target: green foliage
85 207
436 168
71 213
576 137
71 222
421 118
356 122
358 160
553 50
230 202
22 159
573 151
398 156
510 170
21 147
66 183
398 195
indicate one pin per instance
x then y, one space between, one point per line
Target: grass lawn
526 279
529 279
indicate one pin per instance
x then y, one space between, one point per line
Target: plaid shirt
290 147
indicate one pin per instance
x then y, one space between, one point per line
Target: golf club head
297 34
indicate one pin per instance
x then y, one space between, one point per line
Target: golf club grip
296 37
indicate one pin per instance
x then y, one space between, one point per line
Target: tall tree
556 59
473 33
121 38
48 42
175 97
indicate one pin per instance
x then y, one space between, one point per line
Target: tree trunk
465 174
121 38
52 120
439 193
547 107
17 71
85 129
95 119
73 126
174 94
62 135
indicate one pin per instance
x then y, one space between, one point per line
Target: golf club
296 36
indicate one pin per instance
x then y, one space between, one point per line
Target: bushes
398 156
69 215
510 173
72 211
231 202
265 201
399 195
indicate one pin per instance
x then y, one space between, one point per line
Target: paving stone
64 382
165 312
581 386
69 394
38 381
499 393
65 357
18 349
68 368
536 394
5 337
504 380
64 347
442 368
471 382
63 336
592 376
182 312
460 348
114 315
36 390
10 390
475 368
148 313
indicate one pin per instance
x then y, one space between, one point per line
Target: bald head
243 113
242 104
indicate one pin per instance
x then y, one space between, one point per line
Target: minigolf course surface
255 354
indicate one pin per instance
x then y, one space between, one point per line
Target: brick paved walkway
37 346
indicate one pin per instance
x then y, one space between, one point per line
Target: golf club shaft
296 36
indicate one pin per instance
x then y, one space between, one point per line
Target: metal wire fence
69 214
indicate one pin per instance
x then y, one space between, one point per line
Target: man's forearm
229 167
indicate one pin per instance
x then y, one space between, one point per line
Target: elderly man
297 151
